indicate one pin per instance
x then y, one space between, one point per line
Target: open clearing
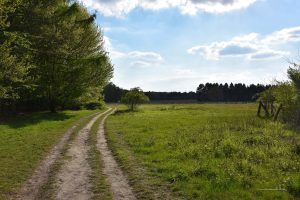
80 166
205 151
195 151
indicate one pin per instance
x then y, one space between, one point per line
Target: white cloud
140 64
120 8
283 36
237 46
115 29
192 7
136 58
271 54
146 56
109 47
144 59
251 46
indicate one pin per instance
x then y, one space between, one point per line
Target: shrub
133 98
287 94
294 187
93 105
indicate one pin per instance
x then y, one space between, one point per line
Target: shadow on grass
34 118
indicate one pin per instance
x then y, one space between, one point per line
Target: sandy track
72 181
40 176
119 185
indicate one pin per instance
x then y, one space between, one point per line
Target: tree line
52 56
214 92
209 92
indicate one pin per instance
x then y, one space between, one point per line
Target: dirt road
71 179
40 176
118 182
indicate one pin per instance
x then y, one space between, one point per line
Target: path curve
40 176
119 185
72 181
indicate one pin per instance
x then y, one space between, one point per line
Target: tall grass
211 151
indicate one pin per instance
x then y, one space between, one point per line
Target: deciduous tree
133 98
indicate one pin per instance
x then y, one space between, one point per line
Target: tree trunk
131 106
298 118
259 108
1 108
277 112
265 107
52 106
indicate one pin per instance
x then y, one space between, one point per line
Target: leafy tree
133 98
288 94
73 66
51 53
113 93
285 94
15 58
294 76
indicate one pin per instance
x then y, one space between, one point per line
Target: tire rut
72 181
119 184
40 176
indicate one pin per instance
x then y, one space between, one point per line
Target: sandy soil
72 181
40 176
118 182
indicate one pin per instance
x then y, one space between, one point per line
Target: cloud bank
252 46
120 8
136 58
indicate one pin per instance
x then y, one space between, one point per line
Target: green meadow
205 151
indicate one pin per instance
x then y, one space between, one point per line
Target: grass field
205 151
25 141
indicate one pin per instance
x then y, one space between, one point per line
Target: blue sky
174 45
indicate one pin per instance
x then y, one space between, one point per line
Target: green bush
288 95
133 98
93 105
294 187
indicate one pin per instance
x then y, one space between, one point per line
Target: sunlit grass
208 151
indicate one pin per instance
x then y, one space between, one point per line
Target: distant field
205 151
25 141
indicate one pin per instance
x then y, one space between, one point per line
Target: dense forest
214 92
52 56
210 92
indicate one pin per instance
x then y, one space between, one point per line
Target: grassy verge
145 186
206 152
25 141
100 187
